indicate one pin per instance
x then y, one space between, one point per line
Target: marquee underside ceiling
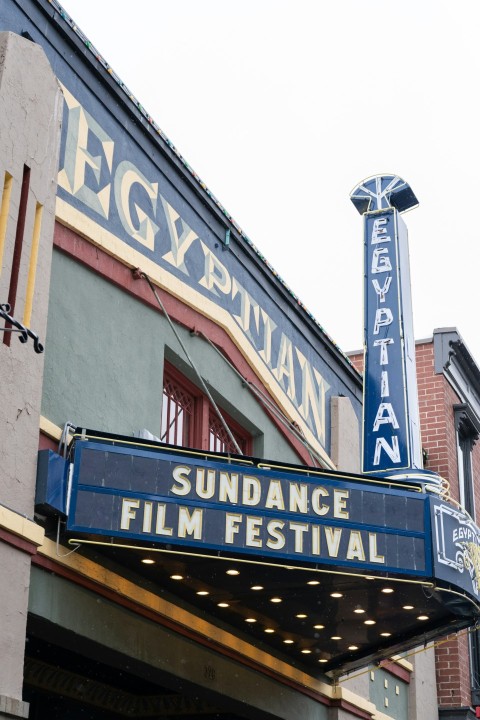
321 621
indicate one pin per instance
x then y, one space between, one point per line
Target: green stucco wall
103 354
389 694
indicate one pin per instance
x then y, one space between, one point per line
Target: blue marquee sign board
165 497
391 425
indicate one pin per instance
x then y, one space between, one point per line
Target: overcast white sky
283 106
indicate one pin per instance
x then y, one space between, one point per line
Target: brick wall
436 399
357 361
476 474
453 672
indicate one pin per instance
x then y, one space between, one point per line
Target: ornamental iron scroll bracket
18 327
383 191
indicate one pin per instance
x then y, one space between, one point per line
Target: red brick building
449 400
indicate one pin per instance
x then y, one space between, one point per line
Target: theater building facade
185 527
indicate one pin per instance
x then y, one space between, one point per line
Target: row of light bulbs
288 641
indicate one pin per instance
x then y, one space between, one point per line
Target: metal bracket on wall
226 242
24 332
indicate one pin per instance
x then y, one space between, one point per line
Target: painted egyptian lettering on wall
137 212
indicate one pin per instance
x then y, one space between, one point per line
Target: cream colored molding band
21 526
50 429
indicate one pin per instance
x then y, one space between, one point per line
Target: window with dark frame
467 435
189 420
467 428
177 414
220 440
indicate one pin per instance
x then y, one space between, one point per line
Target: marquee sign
160 497
163 496
391 425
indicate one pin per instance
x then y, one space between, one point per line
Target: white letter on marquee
252 490
190 524
128 512
373 552
232 521
277 539
299 529
252 532
355 550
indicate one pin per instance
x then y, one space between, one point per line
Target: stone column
30 122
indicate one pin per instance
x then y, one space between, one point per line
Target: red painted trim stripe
396 670
18 542
46 443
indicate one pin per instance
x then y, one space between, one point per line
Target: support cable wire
140 274
259 394
271 407
76 545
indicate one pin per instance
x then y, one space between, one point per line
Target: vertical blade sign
391 436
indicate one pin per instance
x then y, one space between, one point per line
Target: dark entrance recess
68 678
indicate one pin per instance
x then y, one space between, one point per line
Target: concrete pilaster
30 120
345 445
